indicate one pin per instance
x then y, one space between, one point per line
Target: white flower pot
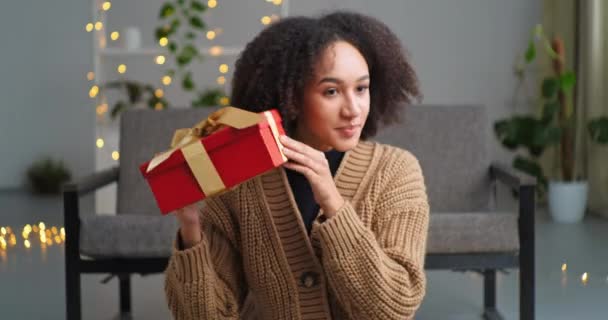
567 200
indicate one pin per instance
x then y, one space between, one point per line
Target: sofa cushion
476 232
127 236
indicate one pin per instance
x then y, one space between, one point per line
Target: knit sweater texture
257 261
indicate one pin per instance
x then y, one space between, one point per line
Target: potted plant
46 176
553 125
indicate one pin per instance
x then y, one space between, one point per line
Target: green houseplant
181 25
46 176
553 125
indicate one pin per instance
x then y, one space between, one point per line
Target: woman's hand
189 225
314 166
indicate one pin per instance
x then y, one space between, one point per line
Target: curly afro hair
274 68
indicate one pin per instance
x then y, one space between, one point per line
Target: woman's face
336 101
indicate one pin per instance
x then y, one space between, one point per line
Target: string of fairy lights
99 28
31 235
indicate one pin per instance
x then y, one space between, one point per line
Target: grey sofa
449 141
466 232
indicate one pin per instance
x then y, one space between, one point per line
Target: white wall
44 104
463 51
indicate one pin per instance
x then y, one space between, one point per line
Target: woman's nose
351 108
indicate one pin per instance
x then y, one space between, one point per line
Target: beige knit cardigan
256 260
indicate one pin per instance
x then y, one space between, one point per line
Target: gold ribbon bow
195 154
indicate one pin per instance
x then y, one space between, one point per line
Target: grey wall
44 104
463 51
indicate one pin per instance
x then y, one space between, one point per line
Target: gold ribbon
195 154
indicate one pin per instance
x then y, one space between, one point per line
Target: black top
303 192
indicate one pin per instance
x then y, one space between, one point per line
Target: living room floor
32 279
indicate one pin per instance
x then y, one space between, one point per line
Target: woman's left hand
314 166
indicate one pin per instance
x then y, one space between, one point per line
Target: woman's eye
362 88
331 92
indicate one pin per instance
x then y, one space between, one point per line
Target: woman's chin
344 145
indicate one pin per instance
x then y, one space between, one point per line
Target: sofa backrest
450 144
449 141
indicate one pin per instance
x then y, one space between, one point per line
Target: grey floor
32 280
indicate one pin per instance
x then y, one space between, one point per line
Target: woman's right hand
189 225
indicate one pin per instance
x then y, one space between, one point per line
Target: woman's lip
348 132
348 127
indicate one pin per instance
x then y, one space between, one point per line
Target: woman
339 232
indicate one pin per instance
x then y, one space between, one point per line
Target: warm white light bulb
93 92
211 35
163 41
223 68
115 35
216 51
106 6
122 68
100 143
212 4
160 59
115 155
265 20
166 80
89 27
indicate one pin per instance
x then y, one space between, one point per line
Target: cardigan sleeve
206 280
379 273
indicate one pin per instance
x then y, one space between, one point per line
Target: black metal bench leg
125 294
73 311
489 295
489 289
526 259
72 257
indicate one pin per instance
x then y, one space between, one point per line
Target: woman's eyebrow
338 81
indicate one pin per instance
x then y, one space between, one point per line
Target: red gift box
237 155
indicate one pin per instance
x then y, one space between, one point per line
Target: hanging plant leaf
532 167
119 107
167 10
172 47
550 87
545 136
133 91
180 2
186 55
196 22
187 82
598 129
530 52
550 109
567 80
175 24
209 98
160 32
197 6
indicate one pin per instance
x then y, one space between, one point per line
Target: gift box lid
222 137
